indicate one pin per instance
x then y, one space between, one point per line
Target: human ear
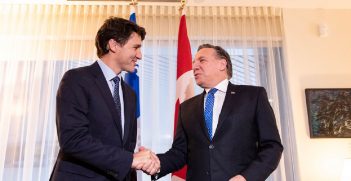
222 64
113 46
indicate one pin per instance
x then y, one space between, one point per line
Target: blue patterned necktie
116 97
209 111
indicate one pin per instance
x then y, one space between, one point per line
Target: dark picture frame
329 112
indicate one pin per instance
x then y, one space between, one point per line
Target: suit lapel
228 105
127 110
199 113
106 93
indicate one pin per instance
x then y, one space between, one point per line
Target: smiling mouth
197 76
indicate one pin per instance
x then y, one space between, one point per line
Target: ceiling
322 4
325 4
162 1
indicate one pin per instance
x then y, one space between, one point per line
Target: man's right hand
146 160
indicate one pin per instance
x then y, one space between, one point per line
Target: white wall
315 62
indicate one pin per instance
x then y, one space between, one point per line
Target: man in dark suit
96 120
228 132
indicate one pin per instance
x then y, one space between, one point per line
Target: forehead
205 52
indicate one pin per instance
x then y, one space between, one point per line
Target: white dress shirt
219 97
109 75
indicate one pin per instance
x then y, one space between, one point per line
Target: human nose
195 65
138 54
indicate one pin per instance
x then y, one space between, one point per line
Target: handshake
147 161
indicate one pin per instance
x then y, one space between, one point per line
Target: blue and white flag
132 17
132 79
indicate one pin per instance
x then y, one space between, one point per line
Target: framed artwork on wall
329 112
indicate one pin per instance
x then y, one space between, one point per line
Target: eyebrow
137 46
201 57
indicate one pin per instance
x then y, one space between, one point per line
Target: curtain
39 42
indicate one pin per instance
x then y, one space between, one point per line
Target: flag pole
184 84
132 79
182 6
134 4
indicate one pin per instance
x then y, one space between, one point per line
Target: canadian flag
185 83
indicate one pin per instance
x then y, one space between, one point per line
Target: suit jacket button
211 146
207 173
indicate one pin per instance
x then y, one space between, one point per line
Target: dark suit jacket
246 140
91 143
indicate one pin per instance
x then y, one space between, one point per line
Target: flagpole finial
182 4
134 2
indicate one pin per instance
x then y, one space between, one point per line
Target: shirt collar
107 71
222 86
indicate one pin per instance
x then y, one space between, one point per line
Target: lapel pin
232 92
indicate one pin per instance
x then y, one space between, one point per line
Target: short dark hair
118 29
221 53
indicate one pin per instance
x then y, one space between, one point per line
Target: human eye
136 47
